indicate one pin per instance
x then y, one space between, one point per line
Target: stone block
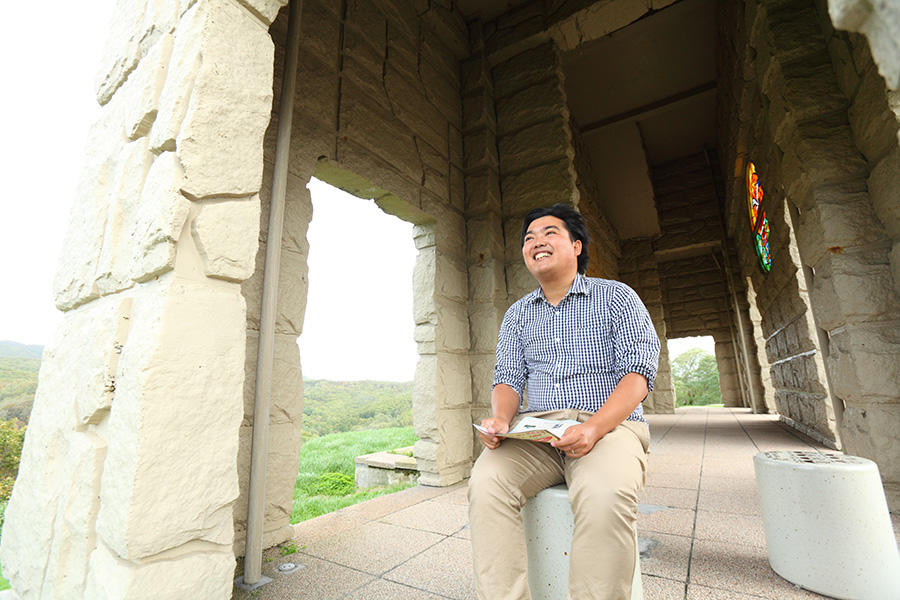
853 288
292 288
480 150
452 331
484 323
73 536
525 69
321 28
485 238
298 212
424 310
424 336
381 134
425 402
835 226
449 28
482 192
220 140
161 215
597 20
453 383
403 51
182 71
264 10
281 475
410 104
538 186
457 189
204 573
885 192
449 227
895 266
436 170
455 430
531 105
187 340
535 145
114 266
476 75
227 236
873 122
365 41
442 93
286 403
870 431
487 281
478 112
135 28
74 283
143 87
864 365
455 142
372 176
74 379
518 281
450 278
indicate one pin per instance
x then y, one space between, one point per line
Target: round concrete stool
549 524
827 524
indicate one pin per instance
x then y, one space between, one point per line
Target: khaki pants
603 490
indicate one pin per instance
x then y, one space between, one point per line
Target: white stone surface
143 87
160 218
204 571
170 475
220 140
265 10
227 237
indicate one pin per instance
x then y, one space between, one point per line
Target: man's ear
577 246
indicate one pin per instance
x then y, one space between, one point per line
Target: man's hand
578 440
493 425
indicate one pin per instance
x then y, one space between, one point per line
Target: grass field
325 478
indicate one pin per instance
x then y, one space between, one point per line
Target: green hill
333 406
11 349
18 382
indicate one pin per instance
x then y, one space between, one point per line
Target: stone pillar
484 224
729 377
638 269
128 475
536 155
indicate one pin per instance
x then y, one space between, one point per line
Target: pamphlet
534 429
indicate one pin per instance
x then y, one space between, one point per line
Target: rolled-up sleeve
636 342
510 368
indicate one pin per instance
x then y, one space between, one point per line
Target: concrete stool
549 524
827 524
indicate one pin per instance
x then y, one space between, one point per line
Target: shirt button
556 385
556 340
558 365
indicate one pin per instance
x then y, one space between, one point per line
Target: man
587 350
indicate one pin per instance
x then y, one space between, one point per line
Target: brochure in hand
534 429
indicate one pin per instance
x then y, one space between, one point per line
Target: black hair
573 221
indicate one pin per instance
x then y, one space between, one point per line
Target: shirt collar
579 286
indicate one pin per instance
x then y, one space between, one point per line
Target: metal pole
268 312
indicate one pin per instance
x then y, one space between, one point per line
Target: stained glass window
754 193
762 243
759 222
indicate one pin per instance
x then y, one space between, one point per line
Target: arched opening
358 351
703 375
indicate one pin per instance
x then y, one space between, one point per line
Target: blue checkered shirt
573 355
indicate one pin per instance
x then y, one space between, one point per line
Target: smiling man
586 350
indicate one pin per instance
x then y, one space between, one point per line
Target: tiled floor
700 513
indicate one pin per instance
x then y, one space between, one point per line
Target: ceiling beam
651 107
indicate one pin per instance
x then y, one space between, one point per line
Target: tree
696 378
12 435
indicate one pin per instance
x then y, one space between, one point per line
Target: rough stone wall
128 476
488 298
729 377
639 269
793 103
378 113
534 143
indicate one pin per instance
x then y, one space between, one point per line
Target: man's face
548 250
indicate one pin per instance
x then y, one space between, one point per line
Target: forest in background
19 365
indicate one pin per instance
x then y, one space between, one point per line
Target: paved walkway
707 541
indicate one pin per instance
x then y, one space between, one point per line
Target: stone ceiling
642 96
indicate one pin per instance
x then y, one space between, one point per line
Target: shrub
12 435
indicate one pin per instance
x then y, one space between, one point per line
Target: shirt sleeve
510 368
636 342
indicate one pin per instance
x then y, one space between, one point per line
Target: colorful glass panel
754 194
762 243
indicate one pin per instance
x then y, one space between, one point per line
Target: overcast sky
49 68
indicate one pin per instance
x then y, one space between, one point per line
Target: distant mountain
16 350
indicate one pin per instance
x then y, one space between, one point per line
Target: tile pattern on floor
701 518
